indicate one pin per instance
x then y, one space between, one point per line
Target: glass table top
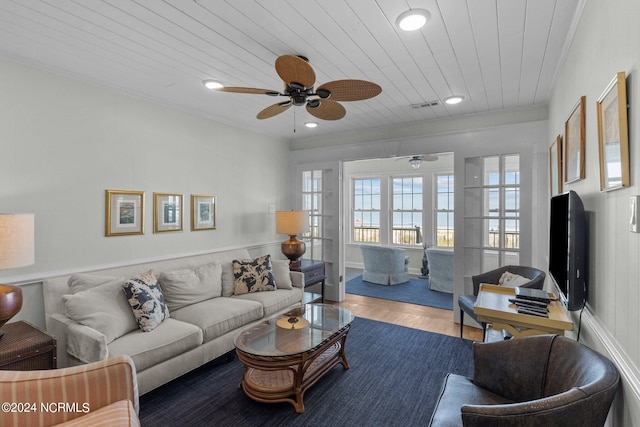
297 331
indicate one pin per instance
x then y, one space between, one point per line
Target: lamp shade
17 248
292 222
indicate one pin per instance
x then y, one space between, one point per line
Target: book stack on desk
533 302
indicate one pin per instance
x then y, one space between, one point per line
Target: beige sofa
196 331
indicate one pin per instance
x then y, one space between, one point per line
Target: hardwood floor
410 315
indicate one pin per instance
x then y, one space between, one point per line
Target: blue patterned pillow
146 300
253 276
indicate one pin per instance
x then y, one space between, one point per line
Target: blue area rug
395 377
416 291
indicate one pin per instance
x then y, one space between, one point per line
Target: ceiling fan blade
351 90
274 110
292 69
250 90
328 110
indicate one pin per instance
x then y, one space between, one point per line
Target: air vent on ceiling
425 104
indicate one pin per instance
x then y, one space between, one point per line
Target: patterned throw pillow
512 280
146 300
253 276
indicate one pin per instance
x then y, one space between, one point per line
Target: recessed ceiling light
413 19
311 124
455 99
212 84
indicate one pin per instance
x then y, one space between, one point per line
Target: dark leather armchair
544 380
467 302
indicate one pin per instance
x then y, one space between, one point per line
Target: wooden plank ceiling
498 54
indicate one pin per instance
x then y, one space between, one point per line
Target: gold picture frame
574 145
124 213
613 135
555 166
203 212
167 212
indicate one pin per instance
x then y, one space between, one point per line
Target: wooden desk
493 306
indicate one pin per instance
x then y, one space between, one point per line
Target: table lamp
17 249
292 223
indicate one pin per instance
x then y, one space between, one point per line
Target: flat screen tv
568 249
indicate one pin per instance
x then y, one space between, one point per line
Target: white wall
607 41
65 142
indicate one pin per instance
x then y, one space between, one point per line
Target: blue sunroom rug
416 291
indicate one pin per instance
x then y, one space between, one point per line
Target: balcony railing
444 237
400 236
511 239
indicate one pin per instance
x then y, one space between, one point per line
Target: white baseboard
625 410
628 370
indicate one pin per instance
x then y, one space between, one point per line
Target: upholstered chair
467 302
100 393
440 261
544 380
384 265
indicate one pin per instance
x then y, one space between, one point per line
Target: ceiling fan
299 78
416 161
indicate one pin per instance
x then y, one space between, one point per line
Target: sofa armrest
84 389
513 369
86 344
297 279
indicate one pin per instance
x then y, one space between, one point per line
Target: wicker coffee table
286 355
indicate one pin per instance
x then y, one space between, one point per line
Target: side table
26 348
314 272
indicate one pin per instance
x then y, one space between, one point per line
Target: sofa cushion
281 273
103 308
254 275
189 286
81 282
227 279
458 389
146 300
274 301
171 338
218 316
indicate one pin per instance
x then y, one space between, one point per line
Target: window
444 210
366 210
407 211
492 212
312 202
502 203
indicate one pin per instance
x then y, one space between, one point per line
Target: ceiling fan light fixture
453 100
323 93
413 19
311 124
212 84
415 162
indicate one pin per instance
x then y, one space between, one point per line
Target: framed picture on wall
125 212
574 145
613 135
555 166
203 212
167 212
